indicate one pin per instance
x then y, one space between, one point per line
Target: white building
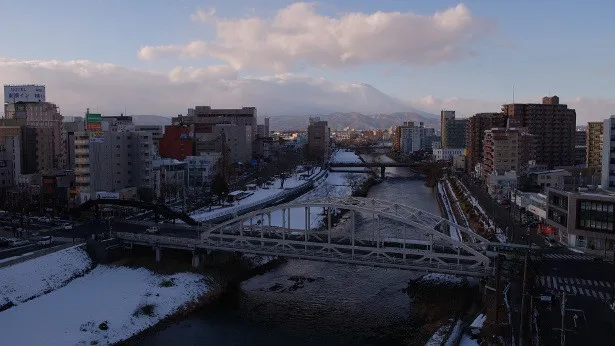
447 153
608 153
157 131
416 138
201 170
501 185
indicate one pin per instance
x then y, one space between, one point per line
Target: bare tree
353 181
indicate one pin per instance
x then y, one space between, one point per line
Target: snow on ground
438 337
454 334
258 196
466 340
479 321
8 259
29 279
453 231
72 314
441 278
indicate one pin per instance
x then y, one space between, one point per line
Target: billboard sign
93 122
24 93
107 195
97 137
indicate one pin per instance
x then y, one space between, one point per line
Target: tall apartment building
580 147
69 129
319 136
44 116
477 125
507 149
117 161
594 144
608 153
263 129
554 126
397 135
453 131
117 123
416 138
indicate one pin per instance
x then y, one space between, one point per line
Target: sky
299 58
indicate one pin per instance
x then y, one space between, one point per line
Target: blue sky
558 46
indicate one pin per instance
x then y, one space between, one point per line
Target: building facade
245 116
507 149
318 139
117 161
477 125
554 126
157 131
608 153
583 219
453 131
594 144
177 142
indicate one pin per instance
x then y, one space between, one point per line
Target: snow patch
73 314
479 321
441 278
30 279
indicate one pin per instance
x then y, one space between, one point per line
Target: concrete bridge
432 170
359 231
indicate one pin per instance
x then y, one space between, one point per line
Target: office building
245 116
177 142
68 140
157 131
453 131
594 144
583 219
112 161
415 138
608 153
477 125
318 139
554 126
397 135
117 123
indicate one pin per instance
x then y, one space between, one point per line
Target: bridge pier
158 252
382 170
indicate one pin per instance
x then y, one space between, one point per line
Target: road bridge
433 170
361 231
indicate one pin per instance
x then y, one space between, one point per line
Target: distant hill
357 121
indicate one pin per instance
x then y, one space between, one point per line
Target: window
596 216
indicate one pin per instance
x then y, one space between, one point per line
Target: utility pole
523 294
563 337
497 290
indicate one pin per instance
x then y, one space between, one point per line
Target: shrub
167 283
145 309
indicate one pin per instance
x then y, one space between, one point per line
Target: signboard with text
93 122
97 137
24 93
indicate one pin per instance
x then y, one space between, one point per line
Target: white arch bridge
360 231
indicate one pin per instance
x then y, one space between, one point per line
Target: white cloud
108 88
298 36
588 109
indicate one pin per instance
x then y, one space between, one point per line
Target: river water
334 304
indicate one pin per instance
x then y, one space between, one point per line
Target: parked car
18 242
153 230
45 241
67 226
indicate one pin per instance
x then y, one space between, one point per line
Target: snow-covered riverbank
27 280
108 305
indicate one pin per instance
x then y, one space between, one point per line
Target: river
335 305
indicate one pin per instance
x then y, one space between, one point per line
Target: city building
608 153
47 120
507 149
594 144
262 130
453 131
583 219
112 162
157 132
170 178
554 126
397 135
318 139
553 178
177 142
245 116
201 170
447 153
416 138
580 147
477 125
501 184
68 139
116 123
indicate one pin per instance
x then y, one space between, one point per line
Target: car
550 242
67 226
17 242
153 230
45 241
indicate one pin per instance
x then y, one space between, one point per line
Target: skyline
287 57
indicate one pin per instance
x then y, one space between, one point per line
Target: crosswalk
568 257
590 288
